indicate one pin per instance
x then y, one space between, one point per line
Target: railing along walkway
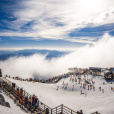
7 88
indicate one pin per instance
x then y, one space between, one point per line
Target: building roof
98 68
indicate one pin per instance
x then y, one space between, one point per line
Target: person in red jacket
0 85
17 91
21 91
12 86
21 101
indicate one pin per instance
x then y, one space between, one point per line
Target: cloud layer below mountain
98 55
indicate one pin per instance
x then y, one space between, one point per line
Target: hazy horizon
98 55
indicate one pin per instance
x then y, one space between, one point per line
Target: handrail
41 105
63 109
69 109
59 109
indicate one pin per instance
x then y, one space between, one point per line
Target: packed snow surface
14 109
68 92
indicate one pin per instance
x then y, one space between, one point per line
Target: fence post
56 110
44 106
62 108
24 92
51 111
71 111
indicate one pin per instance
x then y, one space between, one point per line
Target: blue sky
54 24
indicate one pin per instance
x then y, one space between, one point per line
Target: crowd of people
84 83
27 101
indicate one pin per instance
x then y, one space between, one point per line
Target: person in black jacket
47 111
81 112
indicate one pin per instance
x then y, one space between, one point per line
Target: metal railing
61 109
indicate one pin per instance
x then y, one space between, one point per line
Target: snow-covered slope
72 97
14 108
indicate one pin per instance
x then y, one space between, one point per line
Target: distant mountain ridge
4 55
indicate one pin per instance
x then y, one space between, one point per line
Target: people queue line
24 100
36 80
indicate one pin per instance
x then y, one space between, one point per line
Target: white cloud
104 17
87 40
99 55
67 49
70 14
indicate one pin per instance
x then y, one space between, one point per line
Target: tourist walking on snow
112 88
76 81
99 88
103 90
88 87
57 87
73 88
94 88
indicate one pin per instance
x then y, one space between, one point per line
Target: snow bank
72 98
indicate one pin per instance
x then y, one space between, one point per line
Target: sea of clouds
101 54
